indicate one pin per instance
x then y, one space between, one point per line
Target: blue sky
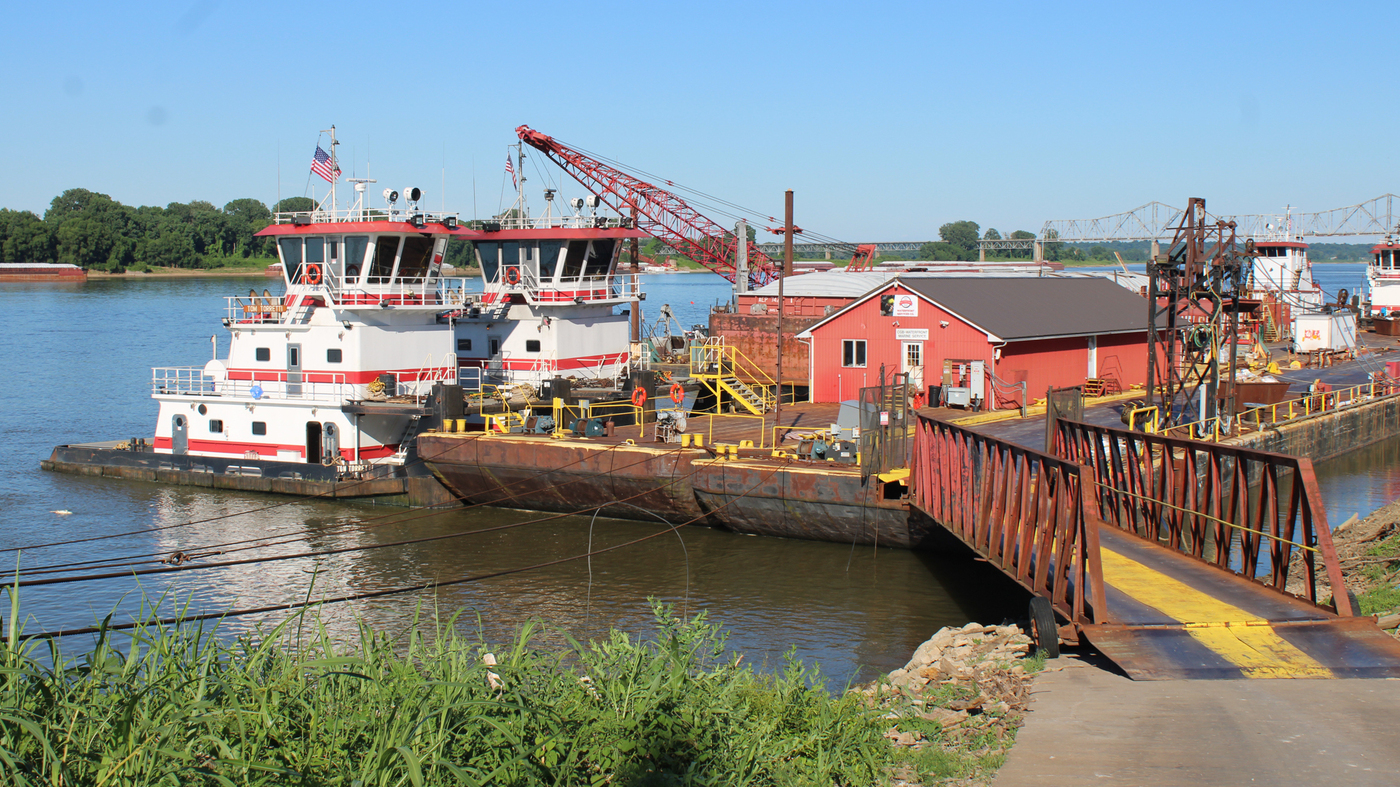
886 119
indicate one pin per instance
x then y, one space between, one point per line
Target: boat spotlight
412 194
390 196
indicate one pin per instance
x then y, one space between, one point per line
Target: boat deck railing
271 384
356 214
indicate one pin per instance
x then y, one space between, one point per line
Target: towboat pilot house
339 367
981 341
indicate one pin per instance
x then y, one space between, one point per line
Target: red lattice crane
659 212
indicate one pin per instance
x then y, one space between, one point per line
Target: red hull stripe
342 228
269 451
350 378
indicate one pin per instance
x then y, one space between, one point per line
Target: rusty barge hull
410 487
566 476
786 498
810 502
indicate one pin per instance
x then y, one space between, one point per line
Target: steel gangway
1175 558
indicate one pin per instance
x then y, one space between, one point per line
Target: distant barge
41 271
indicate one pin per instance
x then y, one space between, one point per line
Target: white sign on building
906 305
911 334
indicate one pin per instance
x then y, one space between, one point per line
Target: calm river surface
79 358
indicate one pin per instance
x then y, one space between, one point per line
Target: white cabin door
294 370
179 435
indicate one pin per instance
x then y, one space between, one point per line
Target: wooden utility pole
787 268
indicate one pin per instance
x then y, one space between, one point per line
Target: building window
532 345
216 426
464 345
260 427
913 355
853 352
332 356
263 354
886 306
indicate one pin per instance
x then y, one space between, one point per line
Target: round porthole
203 409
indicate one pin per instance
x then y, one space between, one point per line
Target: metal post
741 262
787 269
636 269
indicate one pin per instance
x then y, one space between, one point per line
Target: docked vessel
1383 281
367 343
1282 274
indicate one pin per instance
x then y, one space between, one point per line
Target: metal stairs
753 401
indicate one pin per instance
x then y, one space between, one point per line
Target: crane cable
183 619
19 583
193 553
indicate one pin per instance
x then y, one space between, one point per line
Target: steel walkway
1171 556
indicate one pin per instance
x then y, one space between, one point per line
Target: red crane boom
659 212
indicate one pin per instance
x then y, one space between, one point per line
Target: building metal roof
836 283
1023 307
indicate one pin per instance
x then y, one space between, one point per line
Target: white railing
299 386
575 222
571 289
360 214
434 292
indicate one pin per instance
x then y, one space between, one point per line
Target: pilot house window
262 353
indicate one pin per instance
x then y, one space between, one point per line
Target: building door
294 370
912 364
1093 369
313 442
179 435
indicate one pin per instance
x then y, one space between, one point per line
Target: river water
79 357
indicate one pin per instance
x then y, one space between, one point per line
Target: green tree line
96 232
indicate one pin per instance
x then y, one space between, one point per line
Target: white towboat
366 343
1281 270
1383 278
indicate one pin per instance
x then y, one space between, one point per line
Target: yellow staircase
719 365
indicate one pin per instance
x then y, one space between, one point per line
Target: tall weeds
292 706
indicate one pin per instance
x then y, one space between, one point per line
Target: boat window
355 246
315 250
549 258
384 251
488 256
216 426
510 254
260 427
464 345
532 345
333 356
291 257
600 258
573 260
417 253
262 353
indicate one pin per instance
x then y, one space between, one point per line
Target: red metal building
1041 331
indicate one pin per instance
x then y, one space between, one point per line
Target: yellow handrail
1283 412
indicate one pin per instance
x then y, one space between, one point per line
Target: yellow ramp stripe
1244 640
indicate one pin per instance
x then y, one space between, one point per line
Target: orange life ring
677 393
311 273
513 274
639 397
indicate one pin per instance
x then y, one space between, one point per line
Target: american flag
511 169
322 165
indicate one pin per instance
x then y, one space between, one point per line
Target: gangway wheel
1044 632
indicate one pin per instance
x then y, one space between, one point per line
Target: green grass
1383 578
291 706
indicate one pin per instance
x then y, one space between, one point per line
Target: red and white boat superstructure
337 367
1383 278
1282 271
